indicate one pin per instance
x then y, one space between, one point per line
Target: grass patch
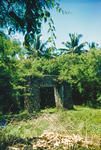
82 121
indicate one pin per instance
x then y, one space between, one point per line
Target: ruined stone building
48 92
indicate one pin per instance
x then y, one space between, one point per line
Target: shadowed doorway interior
47 98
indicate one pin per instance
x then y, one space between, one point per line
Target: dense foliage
9 73
83 72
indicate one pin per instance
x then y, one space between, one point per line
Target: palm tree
39 46
73 45
42 49
36 47
93 45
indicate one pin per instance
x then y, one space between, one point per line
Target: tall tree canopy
25 15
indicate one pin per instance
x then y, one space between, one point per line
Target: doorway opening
47 98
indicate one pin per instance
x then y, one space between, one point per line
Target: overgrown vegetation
83 72
74 64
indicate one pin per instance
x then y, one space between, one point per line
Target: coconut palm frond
73 45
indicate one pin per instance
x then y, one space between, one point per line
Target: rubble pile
56 141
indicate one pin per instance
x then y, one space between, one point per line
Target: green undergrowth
82 121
